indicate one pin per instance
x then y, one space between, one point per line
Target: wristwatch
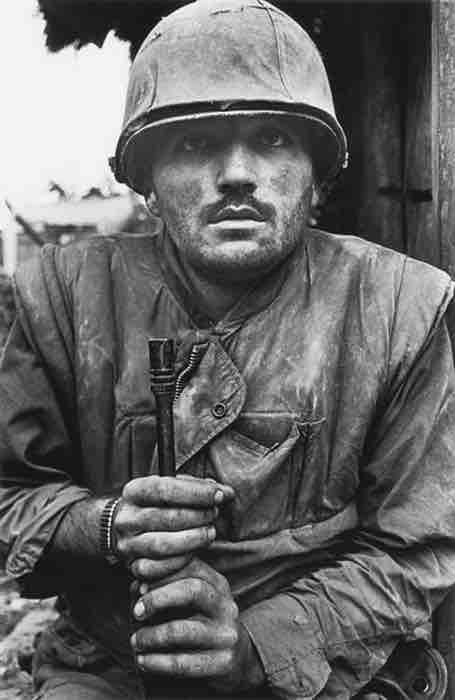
106 535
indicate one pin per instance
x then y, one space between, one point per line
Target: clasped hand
189 620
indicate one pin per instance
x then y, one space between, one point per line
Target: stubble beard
238 266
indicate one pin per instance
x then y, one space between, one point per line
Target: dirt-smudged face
234 193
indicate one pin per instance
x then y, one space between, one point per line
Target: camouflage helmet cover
222 58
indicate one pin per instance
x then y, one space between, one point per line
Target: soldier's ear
315 206
151 203
315 196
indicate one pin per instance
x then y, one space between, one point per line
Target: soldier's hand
162 521
201 636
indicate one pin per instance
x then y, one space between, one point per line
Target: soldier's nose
236 169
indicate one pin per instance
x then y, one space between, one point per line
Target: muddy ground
20 621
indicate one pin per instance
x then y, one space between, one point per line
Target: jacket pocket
265 480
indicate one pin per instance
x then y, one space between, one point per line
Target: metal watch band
106 539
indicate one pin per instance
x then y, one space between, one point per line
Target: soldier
309 533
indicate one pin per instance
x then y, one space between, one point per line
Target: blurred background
61 114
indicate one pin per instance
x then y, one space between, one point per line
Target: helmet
215 58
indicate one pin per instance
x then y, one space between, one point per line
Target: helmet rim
317 120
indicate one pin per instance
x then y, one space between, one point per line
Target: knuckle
120 524
133 488
177 665
177 518
196 587
180 629
208 515
230 610
191 590
122 547
229 657
221 582
158 543
194 538
233 636
224 661
127 490
159 487
168 634
164 635
147 568
227 636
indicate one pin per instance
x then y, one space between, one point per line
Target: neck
213 297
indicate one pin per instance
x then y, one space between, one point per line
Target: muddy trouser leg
67 665
114 683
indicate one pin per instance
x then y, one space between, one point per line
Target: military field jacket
325 397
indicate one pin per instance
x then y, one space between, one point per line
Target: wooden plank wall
359 44
382 81
443 150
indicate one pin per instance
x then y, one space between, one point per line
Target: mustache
260 210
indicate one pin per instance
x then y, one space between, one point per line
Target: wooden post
443 131
421 232
443 147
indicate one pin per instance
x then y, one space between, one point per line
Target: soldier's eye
273 138
194 142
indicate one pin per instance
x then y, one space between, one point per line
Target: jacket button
219 410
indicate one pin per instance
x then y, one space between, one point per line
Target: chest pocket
268 481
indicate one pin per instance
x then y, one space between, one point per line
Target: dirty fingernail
139 609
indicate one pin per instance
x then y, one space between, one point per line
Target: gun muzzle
162 384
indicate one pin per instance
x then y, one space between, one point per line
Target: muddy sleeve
38 419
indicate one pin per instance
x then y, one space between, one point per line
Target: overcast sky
60 112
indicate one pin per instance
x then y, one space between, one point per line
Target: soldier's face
234 193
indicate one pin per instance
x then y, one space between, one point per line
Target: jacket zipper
195 357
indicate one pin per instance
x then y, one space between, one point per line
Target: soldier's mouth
232 213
